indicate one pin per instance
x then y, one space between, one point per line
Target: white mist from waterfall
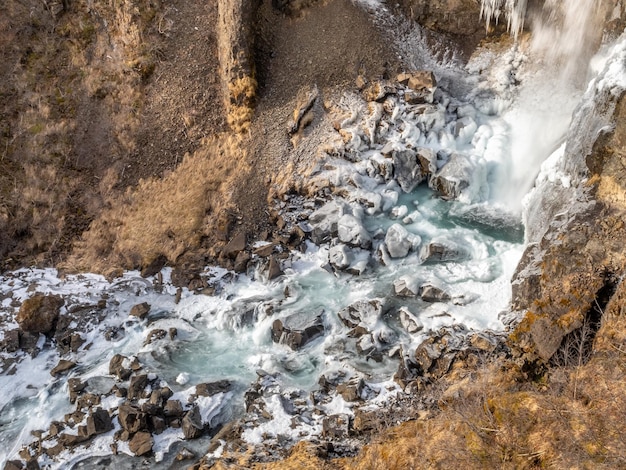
563 39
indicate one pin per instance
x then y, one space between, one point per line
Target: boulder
340 257
361 313
137 385
431 293
454 177
351 231
407 171
140 310
192 424
141 443
39 313
11 341
409 322
351 390
297 330
443 251
131 419
273 269
213 388
61 367
406 286
116 368
421 85
325 220
399 241
99 422
235 245
173 409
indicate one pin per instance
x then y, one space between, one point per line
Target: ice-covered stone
324 221
399 241
431 293
443 251
409 322
406 286
363 312
407 171
297 330
340 257
454 177
351 231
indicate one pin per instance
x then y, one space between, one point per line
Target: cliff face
575 258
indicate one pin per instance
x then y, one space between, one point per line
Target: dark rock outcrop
39 313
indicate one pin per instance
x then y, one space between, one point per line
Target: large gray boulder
399 241
407 171
325 221
297 330
350 230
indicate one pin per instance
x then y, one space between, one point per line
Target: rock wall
449 16
575 257
235 40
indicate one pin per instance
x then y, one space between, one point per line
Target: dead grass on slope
162 217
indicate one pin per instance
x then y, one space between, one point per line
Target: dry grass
165 216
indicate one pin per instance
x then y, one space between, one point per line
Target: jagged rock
141 443
399 241
324 221
340 257
140 310
336 426
351 390
351 231
438 252
458 17
431 293
365 420
363 313
158 424
28 341
407 171
192 424
427 159
453 178
154 266
422 85
273 269
409 321
39 313
88 400
131 419
297 330
241 261
99 422
116 367
173 409
213 388
154 335
264 250
406 286
70 440
62 366
235 245
137 385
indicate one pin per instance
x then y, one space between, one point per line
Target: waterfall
565 35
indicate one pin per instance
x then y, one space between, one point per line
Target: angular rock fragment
131 419
431 293
61 367
39 313
141 443
443 251
407 171
137 385
99 422
409 322
116 367
351 231
140 310
362 312
297 330
399 241
192 424
340 257
406 286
